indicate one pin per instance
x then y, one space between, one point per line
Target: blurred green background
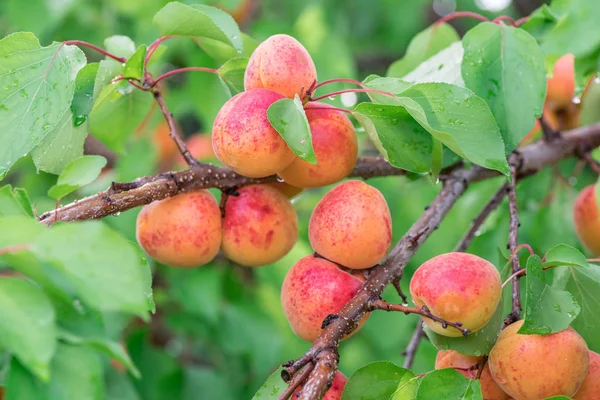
220 329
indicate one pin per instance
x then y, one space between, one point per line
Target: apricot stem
504 18
339 80
14 248
296 381
96 48
423 311
521 21
353 91
180 70
153 46
332 108
461 14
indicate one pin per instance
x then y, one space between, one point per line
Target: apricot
463 364
590 388
200 147
288 190
586 219
282 64
335 145
336 389
534 367
550 117
312 289
351 225
561 87
458 287
244 139
260 226
181 231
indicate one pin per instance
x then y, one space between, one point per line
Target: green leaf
398 137
107 271
444 66
77 173
27 326
76 374
117 111
460 120
287 117
424 45
376 381
233 72
582 283
548 309
36 91
563 254
576 19
540 22
14 202
505 66
199 20
120 45
272 388
407 390
109 347
394 86
134 67
119 386
222 52
448 384
108 68
83 98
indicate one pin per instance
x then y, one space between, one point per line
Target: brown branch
513 241
323 352
124 196
296 382
548 132
423 311
480 219
413 345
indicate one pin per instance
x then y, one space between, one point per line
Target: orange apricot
587 219
590 388
561 87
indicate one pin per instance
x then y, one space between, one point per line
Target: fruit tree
221 204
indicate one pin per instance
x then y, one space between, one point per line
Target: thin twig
14 248
548 132
96 48
296 382
384 93
413 345
423 311
513 240
180 70
461 14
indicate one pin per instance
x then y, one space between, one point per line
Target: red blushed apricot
534 367
587 219
312 289
458 287
561 87
463 364
288 190
351 225
260 226
335 145
181 231
590 388
244 139
336 389
282 64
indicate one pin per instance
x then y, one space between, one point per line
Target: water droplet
557 308
23 93
79 120
576 100
395 121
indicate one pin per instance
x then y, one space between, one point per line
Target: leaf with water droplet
287 117
134 67
84 93
273 387
77 173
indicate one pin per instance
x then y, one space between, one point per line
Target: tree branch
323 353
124 196
413 345
513 242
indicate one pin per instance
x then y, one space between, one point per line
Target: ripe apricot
336 389
561 87
312 289
260 226
463 364
533 367
590 388
244 139
587 219
458 287
335 145
181 231
282 64
351 225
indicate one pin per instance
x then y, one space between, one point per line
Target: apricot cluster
258 228
350 229
244 140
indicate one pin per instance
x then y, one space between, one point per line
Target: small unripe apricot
587 219
534 367
351 225
463 364
561 87
312 289
335 145
244 139
181 231
336 389
590 388
458 287
282 64
260 226
285 188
